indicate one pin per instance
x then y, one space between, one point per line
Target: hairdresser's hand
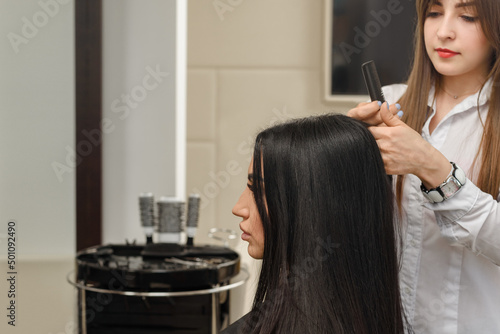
368 112
404 151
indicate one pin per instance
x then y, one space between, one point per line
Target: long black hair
330 262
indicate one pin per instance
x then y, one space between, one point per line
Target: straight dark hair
330 262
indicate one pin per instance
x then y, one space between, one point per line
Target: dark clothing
236 327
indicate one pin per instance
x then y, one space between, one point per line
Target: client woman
318 211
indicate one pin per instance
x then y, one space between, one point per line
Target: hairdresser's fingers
397 143
396 146
367 112
395 109
391 115
364 109
403 150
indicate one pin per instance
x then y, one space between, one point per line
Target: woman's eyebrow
458 5
464 4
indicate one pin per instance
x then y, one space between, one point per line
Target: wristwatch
448 188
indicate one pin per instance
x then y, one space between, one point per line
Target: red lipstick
445 53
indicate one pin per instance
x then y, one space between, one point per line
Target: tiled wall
250 63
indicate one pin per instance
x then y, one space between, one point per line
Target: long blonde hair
423 76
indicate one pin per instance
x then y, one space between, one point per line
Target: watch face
451 187
448 188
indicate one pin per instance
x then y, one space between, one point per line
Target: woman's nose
446 29
239 208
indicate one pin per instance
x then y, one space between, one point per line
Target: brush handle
372 81
373 85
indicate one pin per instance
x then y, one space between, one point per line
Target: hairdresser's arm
471 218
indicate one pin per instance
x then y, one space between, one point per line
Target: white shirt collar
469 101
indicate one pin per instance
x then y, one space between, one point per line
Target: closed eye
467 18
433 14
251 178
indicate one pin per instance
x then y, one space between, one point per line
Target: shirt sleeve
471 218
394 92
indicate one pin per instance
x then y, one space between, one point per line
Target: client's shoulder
236 327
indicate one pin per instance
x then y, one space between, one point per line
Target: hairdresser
445 151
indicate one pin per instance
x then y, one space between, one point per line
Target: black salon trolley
156 288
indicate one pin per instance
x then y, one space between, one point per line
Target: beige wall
257 62
37 171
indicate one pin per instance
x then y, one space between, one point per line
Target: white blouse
450 276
